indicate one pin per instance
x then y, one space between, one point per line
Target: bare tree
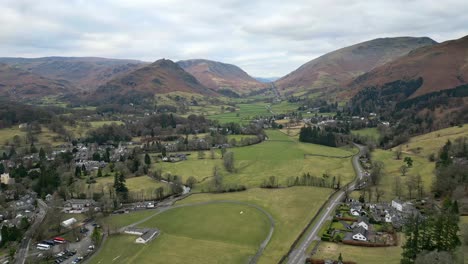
217 179
398 153
410 185
397 186
403 170
376 172
378 194
419 185
228 161
212 153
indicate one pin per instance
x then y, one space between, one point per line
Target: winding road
299 254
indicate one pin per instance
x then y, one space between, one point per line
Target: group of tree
328 136
119 185
435 232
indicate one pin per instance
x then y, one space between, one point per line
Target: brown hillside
341 66
441 66
162 76
86 73
21 85
217 75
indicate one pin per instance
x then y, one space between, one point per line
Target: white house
397 204
5 179
147 236
354 212
360 234
363 222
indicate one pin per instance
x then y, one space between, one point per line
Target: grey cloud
266 38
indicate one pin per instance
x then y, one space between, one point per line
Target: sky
265 38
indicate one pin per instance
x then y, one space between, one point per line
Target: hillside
17 84
218 75
160 77
441 66
339 67
85 73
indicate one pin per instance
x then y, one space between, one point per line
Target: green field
361 255
279 156
370 132
392 169
291 209
431 143
143 186
212 233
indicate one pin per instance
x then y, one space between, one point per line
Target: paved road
22 252
262 246
299 255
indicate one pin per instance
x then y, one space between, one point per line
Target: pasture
361 255
392 170
280 156
370 132
431 143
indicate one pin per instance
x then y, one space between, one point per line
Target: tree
96 236
397 186
212 153
217 179
419 185
403 170
164 152
340 259
191 181
410 185
160 193
2 168
409 161
378 194
42 154
147 159
228 161
99 173
398 153
376 172
201 154
434 257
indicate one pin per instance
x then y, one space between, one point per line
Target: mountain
337 68
17 84
85 73
218 75
160 77
441 66
266 79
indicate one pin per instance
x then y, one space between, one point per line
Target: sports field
212 233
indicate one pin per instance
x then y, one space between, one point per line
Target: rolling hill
19 85
337 68
85 73
161 77
217 75
442 66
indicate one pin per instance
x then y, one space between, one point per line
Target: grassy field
291 209
361 255
392 169
463 252
141 186
279 156
429 143
95 124
370 132
121 220
213 233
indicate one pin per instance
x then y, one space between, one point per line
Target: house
360 234
147 236
144 234
78 205
5 179
48 197
354 212
397 204
69 222
363 221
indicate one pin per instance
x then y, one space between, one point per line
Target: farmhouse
5 179
360 233
78 205
144 234
397 204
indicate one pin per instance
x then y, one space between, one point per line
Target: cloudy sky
265 38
